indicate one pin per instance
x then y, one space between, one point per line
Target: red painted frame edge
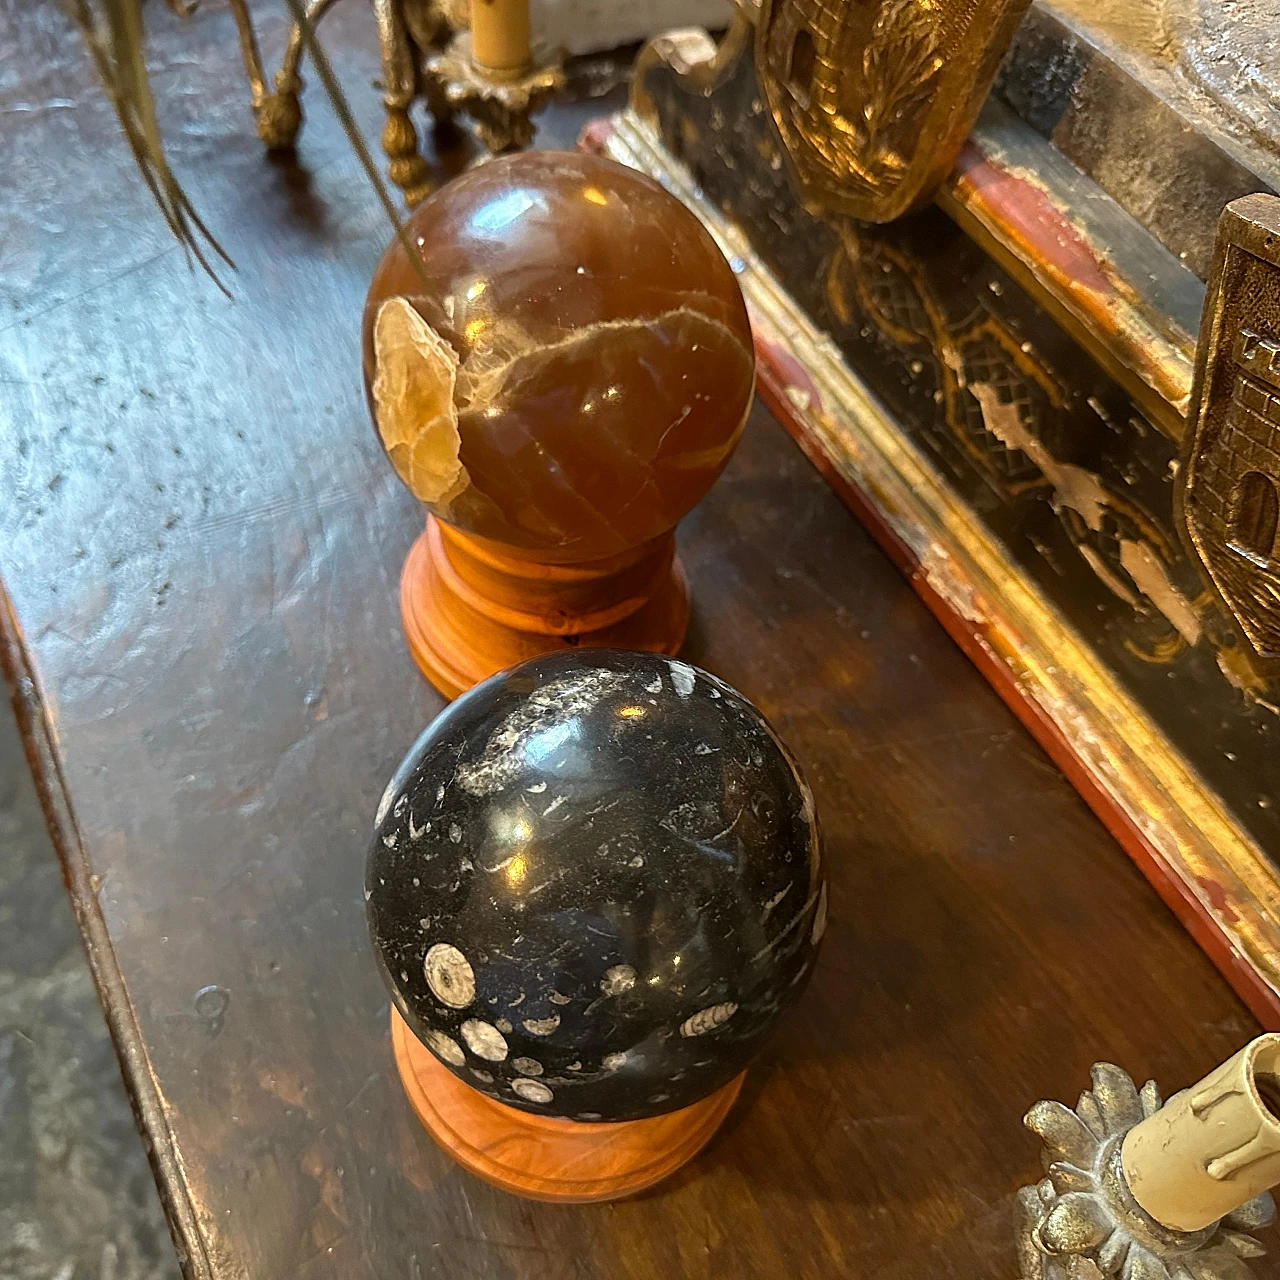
1243 977
1240 973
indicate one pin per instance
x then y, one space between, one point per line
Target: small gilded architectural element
1084 1219
874 101
1230 475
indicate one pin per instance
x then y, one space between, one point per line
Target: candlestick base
1083 1218
502 103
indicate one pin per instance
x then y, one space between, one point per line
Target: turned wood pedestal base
542 1157
471 607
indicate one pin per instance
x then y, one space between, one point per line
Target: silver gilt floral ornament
1083 1221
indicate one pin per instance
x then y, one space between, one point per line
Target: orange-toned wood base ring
471 608
542 1157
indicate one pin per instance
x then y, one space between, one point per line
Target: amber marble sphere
567 366
559 370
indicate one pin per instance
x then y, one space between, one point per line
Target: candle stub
500 34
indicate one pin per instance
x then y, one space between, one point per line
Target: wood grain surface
200 540
470 608
545 1157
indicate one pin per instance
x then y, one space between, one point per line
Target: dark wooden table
200 542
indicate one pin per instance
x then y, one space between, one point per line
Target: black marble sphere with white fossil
596 884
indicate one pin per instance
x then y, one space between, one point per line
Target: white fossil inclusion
450 976
536 725
446 1047
617 979
484 1040
532 1090
708 1019
683 677
542 1026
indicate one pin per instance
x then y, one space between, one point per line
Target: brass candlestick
489 72
493 74
408 32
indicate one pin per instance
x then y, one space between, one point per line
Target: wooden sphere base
471 607
543 1157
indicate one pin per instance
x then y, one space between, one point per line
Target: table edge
39 744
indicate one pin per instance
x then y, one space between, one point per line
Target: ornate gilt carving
875 101
1229 492
422 58
408 32
1199 843
502 106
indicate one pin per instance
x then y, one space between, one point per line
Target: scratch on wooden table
93 288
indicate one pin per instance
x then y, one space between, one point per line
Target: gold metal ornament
874 101
501 104
422 59
409 32
1203 848
1229 482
